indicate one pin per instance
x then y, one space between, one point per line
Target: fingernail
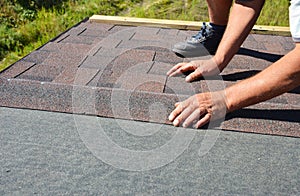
176 122
170 117
188 78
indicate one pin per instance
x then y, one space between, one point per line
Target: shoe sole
184 54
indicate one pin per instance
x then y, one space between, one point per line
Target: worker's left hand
199 109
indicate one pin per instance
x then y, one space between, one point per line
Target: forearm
241 20
280 77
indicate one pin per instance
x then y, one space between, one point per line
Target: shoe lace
204 32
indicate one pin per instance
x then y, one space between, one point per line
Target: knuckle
179 119
179 108
198 110
194 64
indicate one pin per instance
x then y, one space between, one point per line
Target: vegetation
274 13
28 24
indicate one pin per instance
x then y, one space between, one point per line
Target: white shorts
294 12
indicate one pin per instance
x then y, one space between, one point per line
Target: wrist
220 62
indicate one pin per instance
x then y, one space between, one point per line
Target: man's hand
199 68
199 109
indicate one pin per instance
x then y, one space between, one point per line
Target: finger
173 69
206 118
193 118
183 68
187 67
183 116
176 72
176 104
193 76
175 112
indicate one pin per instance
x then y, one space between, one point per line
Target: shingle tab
96 62
37 56
76 76
178 86
80 39
142 82
42 72
17 68
168 57
160 68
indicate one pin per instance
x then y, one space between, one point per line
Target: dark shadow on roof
295 90
261 55
228 77
240 75
279 115
244 75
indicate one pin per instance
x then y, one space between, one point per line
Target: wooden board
131 21
177 24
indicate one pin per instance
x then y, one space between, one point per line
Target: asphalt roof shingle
122 67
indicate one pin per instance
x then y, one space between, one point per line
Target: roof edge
178 24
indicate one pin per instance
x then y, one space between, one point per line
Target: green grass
193 10
26 25
274 13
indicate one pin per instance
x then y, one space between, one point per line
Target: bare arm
280 77
241 20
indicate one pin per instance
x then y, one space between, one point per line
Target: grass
193 10
26 25
274 13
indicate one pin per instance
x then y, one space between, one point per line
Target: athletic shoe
204 43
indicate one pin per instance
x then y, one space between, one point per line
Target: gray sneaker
204 43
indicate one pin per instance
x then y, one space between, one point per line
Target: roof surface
119 72
43 153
